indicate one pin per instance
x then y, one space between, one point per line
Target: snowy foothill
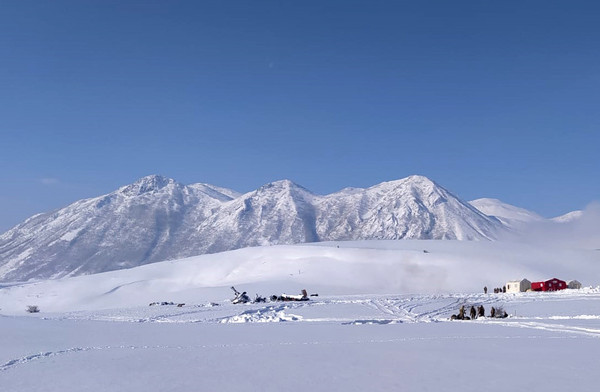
331 268
380 321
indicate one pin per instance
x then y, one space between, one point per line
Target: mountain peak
282 185
146 184
411 181
416 185
416 178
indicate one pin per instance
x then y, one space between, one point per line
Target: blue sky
487 98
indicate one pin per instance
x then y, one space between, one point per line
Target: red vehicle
549 285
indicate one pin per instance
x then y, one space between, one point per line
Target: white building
518 286
573 284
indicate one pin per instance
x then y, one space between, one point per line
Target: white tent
518 286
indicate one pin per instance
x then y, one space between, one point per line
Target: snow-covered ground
380 322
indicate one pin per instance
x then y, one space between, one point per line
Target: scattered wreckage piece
33 309
498 312
240 298
259 299
163 303
288 297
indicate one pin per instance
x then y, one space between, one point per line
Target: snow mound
260 316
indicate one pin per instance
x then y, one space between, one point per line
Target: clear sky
487 98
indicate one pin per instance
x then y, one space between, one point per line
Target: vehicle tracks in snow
568 329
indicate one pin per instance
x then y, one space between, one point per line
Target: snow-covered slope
568 217
157 219
381 322
328 268
508 214
576 229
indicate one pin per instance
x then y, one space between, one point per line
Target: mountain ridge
157 218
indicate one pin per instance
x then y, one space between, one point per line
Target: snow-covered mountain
508 214
411 208
157 219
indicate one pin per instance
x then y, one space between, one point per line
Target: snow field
364 331
362 342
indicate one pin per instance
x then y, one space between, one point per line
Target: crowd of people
478 312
